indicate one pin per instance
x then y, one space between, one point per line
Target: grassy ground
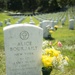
67 37
63 34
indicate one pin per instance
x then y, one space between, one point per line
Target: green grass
36 21
3 16
13 21
2 54
26 20
66 36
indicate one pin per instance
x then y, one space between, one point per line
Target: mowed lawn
63 34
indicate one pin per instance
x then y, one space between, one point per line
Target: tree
6 4
22 2
49 5
2 5
62 3
32 5
14 5
53 5
44 4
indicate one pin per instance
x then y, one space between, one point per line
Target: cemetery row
46 21
56 17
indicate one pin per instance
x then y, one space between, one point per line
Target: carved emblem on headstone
24 35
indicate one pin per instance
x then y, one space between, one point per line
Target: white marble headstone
23 49
44 25
32 22
8 23
71 25
1 24
63 21
52 24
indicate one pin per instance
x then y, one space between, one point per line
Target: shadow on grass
49 38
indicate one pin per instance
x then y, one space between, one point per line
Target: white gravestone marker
52 24
44 25
1 24
23 49
71 25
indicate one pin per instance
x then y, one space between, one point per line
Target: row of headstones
1 24
54 16
31 21
49 16
20 20
71 20
38 18
71 26
14 17
47 25
6 21
42 17
46 32
63 19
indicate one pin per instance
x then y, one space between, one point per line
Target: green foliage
33 5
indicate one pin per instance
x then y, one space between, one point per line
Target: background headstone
32 22
23 48
71 25
1 24
52 24
8 23
44 25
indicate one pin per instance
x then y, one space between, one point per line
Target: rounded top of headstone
32 23
71 20
20 25
45 21
51 21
